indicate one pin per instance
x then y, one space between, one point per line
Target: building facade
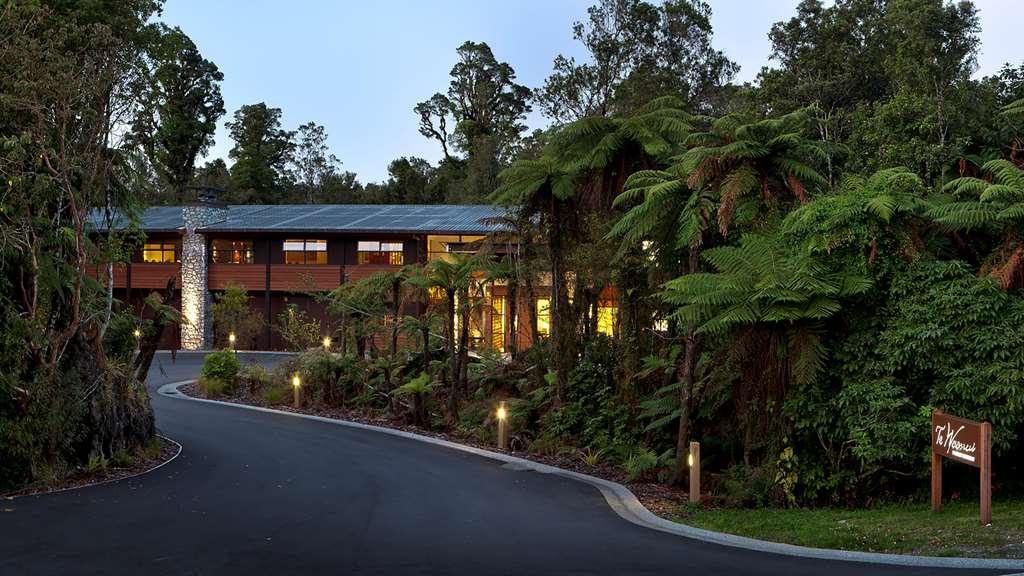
284 254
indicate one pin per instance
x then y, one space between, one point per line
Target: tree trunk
511 306
453 391
686 388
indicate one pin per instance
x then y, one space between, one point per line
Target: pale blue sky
359 67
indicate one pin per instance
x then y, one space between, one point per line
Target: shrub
253 377
232 313
298 329
222 365
214 387
276 395
328 378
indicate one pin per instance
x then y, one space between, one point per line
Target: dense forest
805 266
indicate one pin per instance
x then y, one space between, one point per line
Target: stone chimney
196 306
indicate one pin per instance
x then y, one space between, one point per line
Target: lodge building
284 254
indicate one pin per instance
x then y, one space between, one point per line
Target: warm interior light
501 413
327 342
295 381
689 459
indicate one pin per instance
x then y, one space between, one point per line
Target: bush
232 313
328 378
214 387
253 377
222 365
277 395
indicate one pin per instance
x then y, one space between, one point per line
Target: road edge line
109 480
626 505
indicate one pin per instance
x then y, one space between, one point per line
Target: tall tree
314 164
262 152
638 51
480 115
183 103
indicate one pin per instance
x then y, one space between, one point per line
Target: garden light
231 339
297 388
296 381
502 426
327 342
137 333
693 460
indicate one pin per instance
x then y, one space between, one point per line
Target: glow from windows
373 252
304 251
544 316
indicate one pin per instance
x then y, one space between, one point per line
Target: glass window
606 316
373 252
305 251
544 316
498 323
232 252
440 246
161 252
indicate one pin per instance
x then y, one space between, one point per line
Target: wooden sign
967 442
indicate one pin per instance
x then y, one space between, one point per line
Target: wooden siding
303 278
358 272
100 273
252 277
146 275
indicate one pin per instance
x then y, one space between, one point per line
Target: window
607 314
232 252
439 247
161 252
305 251
498 323
544 316
373 252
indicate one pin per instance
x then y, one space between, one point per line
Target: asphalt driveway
262 493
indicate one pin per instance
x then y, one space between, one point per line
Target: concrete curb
626 505
109 481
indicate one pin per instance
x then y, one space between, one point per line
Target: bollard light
502 415
693 460
137 333
327 343
296 387
231 339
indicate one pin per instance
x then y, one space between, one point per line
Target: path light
297 387
137 333
502 426
693 461
327 343
231 339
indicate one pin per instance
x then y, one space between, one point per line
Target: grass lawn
898 529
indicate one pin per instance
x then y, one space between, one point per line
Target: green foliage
642 462
214 387
232 314
254 378
222 365
298 329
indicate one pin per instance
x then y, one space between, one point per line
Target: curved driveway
261 493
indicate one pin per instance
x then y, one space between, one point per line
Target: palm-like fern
763 282
994 203
739 157
655 130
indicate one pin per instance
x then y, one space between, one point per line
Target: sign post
967 442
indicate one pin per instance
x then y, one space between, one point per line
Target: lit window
607 314
305 251
498 323
543 316
232 252
436 295
373 252
440 247
160 252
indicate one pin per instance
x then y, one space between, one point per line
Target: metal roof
406 218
